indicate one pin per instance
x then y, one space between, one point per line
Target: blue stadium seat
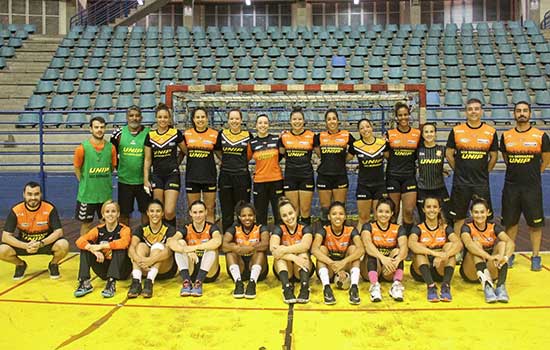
453 84
127 87
495 84
103 101
532 71
44 87
108 74
520 95
433 99
542 97
474 84
453 98
59 102
36 102
81 102
167 73
433 72
357 74
515 84
433 84
56 62
147 87
498 98
319 74
107 87
492 72
70 74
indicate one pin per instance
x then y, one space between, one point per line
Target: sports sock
235 272
304 277
502 273
136 274
323 276
283 277
152 274
354 275
255 271
398 275
373 277
426 274
448 274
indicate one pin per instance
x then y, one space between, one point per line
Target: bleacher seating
12 37
499 63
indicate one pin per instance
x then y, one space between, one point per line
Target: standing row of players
407 166
342 253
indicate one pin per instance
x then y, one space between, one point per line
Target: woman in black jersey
161 152
430 159
401 168
296 146
200 169
371 185
268 177
332 148
233 148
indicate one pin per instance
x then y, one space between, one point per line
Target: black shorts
236 181
245 275
461 197
332 182
45 250
85 212
400 184
170 273
364 192
193 187
126 196
299 184
166 182
336 257
517 200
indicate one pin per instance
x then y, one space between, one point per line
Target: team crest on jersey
438 153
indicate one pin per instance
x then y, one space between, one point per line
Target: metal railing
103 12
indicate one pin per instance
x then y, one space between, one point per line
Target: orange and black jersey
430 167
247 237
371 161
486 237
385 240
265 152
192 236
164 148
524 152
432 238
337 244
200 167
472 146
289 238
334 149
298 150
236 151
146 234
402 147
32 225
118 239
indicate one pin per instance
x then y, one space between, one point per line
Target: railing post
41 156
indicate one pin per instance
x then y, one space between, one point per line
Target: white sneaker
375 294
396 291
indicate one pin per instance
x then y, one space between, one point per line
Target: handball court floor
40 313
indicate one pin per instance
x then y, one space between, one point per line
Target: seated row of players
342 253
407 166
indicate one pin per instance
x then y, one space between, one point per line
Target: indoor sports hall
65 62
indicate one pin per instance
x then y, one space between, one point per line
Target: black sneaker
147 291
329 295
238 293
250 290
20 271
288 295
303 296
84 287
110 289
135 288
54 271
354 295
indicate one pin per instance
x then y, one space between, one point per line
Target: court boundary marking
281 309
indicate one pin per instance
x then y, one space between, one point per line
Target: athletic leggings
232 189
118 267
264 194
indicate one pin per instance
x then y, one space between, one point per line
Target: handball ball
342 280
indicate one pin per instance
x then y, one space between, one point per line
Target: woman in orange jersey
338 248
485 259
401 169
245 245
268 177
289 245
332 178
104 249
296 146
371 185
161 153
200 167
149 252
386 247
196 251
434 245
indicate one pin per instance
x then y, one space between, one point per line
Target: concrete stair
23 71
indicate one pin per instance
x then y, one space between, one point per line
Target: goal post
352 99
